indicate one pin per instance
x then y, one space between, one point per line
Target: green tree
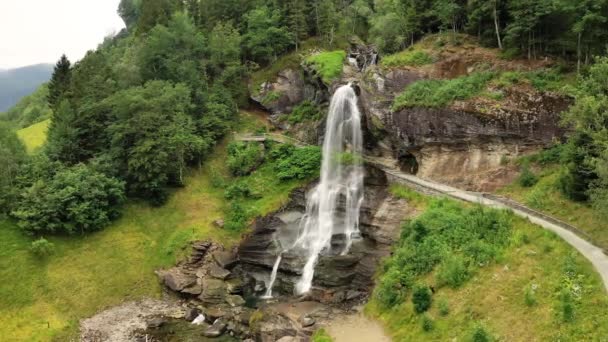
152 138
76 199
155 12
265 38
59 84
589 119
297 20
129 11
63 135
12 157
327 20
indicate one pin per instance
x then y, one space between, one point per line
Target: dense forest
148 103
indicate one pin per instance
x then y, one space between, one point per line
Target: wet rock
214 291
235 300
216 330
216 312
273 327
195 290
156 322
234 286
244 317
307 321
224 259
217 272
191 314
350 295
176 279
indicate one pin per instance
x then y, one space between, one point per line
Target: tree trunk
578 53
497 26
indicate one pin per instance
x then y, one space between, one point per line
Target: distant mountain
17 83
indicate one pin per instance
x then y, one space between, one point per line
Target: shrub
407 58
530 295
42 248
76 199
305 111
301 163
240 189
321 336
480 334
237 217
393 287
440 93
328 64
453 272
244 158
427 323
421 298
444 307
527 178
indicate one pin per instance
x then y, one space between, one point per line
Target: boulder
156 322
306 321
176 279
235 300
195 290
216 330
224 259
217 272
214 291
191 314
215 312
234 286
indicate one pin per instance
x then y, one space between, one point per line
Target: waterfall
273 277
341 178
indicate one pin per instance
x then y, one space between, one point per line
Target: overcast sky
39 31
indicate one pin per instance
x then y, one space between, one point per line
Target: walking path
569 233
572 235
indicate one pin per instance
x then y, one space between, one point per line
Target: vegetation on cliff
460 271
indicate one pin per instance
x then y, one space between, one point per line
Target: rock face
336 276
463 143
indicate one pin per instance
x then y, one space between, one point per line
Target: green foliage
271 97
453 272
427 323
407 58
480 334
305 111
421 298
457 238
440 93
265 37
444 307
243 158
237 217
328 64
12 157
527 178
321 336
72 200
240 189
530 295
59 84
42 248
296 163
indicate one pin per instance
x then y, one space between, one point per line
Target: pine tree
297 22
60 82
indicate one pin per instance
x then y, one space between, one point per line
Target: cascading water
341 175
341 179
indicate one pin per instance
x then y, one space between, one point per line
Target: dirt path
356 327
567 232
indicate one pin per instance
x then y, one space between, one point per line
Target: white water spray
341 177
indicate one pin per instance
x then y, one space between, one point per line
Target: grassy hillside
34 136
536 289
45 299
545 196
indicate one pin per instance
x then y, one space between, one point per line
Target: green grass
545 196
440 93
321 336
34 136
328 64
497 295
290 60
407 58
44 300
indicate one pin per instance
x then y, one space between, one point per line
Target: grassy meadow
43 300
537 288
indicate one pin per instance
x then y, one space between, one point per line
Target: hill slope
17 83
